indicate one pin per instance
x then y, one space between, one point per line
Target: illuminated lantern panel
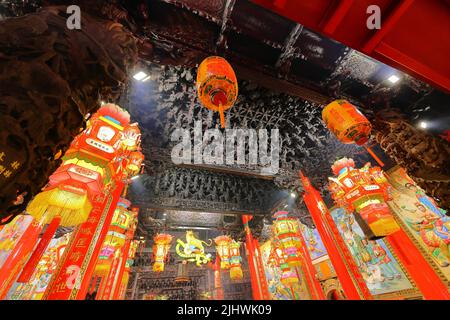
346 122
236 273
217 85
131 136
364 192
161 249
223 250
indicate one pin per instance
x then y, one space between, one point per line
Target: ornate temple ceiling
286 74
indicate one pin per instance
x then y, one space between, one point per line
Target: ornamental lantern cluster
90 166
286 245
364 192
286 231
161 248
217 85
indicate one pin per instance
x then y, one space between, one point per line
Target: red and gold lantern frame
365 192
223 250
161 247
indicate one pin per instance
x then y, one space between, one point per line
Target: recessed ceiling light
140 75
423 124
292 195
135 177
394 78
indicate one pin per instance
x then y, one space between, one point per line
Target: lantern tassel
222 116
381 163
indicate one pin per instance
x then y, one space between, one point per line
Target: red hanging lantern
217 85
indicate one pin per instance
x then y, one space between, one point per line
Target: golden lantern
131 136
286 230
134 165
161 249
235 262
223 250
70 202
217 85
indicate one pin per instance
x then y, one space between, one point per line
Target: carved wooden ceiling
286 73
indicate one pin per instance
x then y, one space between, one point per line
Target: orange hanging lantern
223 250
365 192
217 85
346 122
161 249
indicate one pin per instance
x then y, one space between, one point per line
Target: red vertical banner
18 257
72 277
310 272
349 276
30 267
257 275
256 291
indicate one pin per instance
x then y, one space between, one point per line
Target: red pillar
258 279
351 280
420 271
310 272
217 279
18 257
30 267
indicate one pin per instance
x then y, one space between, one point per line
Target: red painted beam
387 26
401 60
341 11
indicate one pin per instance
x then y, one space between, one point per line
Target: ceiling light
135 177
423 124
394 78
147 78
140 75
292 195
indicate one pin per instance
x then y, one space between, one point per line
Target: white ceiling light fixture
393 78
135 177
140 75
423 124
293 195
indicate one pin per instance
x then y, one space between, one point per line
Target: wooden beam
288 47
